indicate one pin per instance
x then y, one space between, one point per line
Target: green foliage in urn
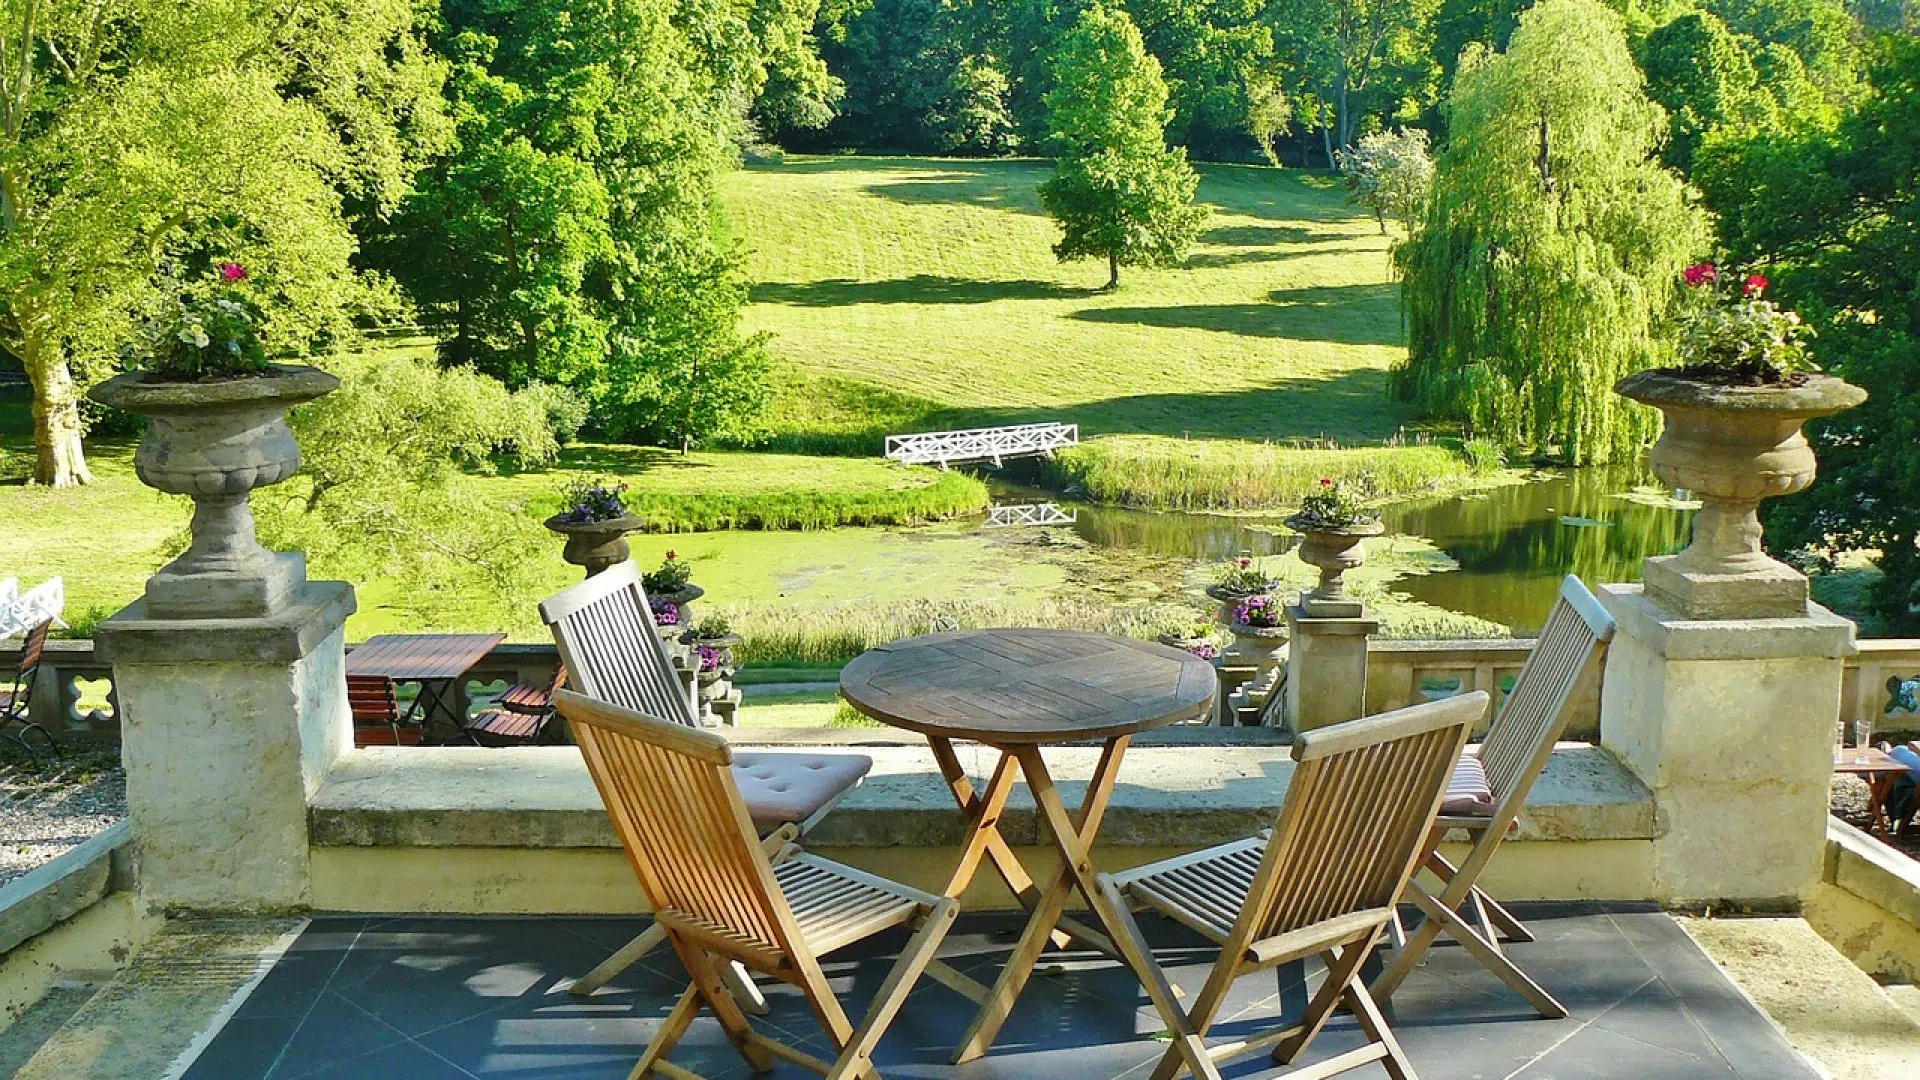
1117 191
1244 577
673 575
587 499
202 330
1550 255
1331 508
711 627
1730 332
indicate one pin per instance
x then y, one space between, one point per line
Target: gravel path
47 808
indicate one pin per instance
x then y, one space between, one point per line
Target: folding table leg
1076 871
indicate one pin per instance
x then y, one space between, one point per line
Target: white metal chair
680 816
605 633
1571 650
1323 882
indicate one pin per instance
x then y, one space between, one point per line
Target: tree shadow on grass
1262 235
918 289
1361 314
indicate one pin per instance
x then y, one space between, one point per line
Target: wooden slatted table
435 661
1017 691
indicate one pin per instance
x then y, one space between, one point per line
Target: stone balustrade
74 696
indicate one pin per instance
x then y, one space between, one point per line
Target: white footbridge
944 448
1011 514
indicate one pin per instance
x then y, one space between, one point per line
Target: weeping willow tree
1548 258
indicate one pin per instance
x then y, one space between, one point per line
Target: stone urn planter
1257 647
1333 551
1732 446
1230 599
724 645
595 545
215 442
1203 647
683 599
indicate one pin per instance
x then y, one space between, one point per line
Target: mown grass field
906 293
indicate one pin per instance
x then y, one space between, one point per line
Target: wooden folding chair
715 893
610 651
1324 881
14 701
376 713
1570 651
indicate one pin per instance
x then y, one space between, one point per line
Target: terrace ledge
1167 796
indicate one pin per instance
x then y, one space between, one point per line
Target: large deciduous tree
137 132
574 234
1346 48
1117 191
1550 250
1833 217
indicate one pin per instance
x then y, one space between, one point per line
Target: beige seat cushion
1468 793
792 786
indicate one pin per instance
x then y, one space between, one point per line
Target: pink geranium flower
233 271
1756 285
1702 274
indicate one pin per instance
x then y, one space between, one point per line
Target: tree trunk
1113 270
59 460
1326 140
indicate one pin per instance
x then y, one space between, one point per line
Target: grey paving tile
485 999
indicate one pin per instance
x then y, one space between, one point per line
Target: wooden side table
1879 770
1017 691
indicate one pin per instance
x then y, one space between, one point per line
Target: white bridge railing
1031 514
943 448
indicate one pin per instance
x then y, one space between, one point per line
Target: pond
1513 544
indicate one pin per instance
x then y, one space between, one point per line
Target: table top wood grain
1028 686
408 657
1859 762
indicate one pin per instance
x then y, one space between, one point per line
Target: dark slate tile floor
463 999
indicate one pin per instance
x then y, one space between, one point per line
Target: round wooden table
1017 691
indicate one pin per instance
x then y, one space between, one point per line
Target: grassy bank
911 293
1201 475
708 490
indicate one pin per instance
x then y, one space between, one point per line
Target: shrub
566 409
1483 456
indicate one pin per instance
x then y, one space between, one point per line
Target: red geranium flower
1702 274
233 272
1756 285
1326 481
670 554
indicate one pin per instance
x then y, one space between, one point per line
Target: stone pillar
227 725
1730 723
1326 668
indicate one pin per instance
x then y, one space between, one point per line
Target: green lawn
908 293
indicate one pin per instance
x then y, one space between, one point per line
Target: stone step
24 1037
153 1018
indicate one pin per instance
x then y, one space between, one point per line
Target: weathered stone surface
148 1021
1326 669
55 892
1172 796
133 637
223 740
1730 724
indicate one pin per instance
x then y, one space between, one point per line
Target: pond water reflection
1513 543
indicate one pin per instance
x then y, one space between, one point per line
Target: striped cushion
1468 793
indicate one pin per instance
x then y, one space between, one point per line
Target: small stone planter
1732 446
215 442
683 599
1186 644
595 545
1230 599
1333 551
1257 646
724 645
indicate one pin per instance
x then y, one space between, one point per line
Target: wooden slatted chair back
608 645
1570 649
1358 809
680 817
32 649
370 698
